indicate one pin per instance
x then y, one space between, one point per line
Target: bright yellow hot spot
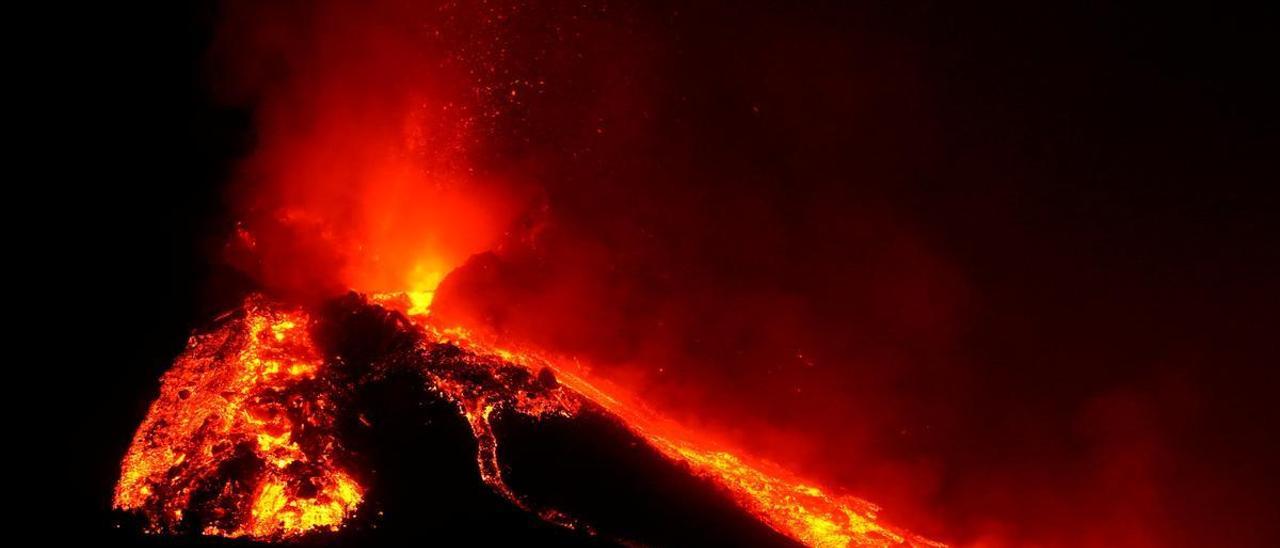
415 301
423 281
419 302
223 392
275 511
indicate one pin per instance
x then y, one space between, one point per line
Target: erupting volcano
246 438
661 273
364 180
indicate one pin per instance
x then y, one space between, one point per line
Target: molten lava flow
242 435
482 384
242 441
792 507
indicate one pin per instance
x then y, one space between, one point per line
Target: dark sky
1008 270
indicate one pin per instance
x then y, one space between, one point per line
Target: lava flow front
244 439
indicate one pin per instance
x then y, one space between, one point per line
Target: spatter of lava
242 441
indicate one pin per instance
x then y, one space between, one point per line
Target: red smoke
361 177
726 216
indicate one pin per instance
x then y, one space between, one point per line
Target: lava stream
795 508
243 440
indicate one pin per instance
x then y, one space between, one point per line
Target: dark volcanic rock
419 458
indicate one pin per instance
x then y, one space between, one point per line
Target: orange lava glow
363 179
509 387
242 443
360 176
801 510
242 395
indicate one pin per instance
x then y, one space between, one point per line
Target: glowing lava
241 440
798 509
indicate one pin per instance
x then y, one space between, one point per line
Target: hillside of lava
350 423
